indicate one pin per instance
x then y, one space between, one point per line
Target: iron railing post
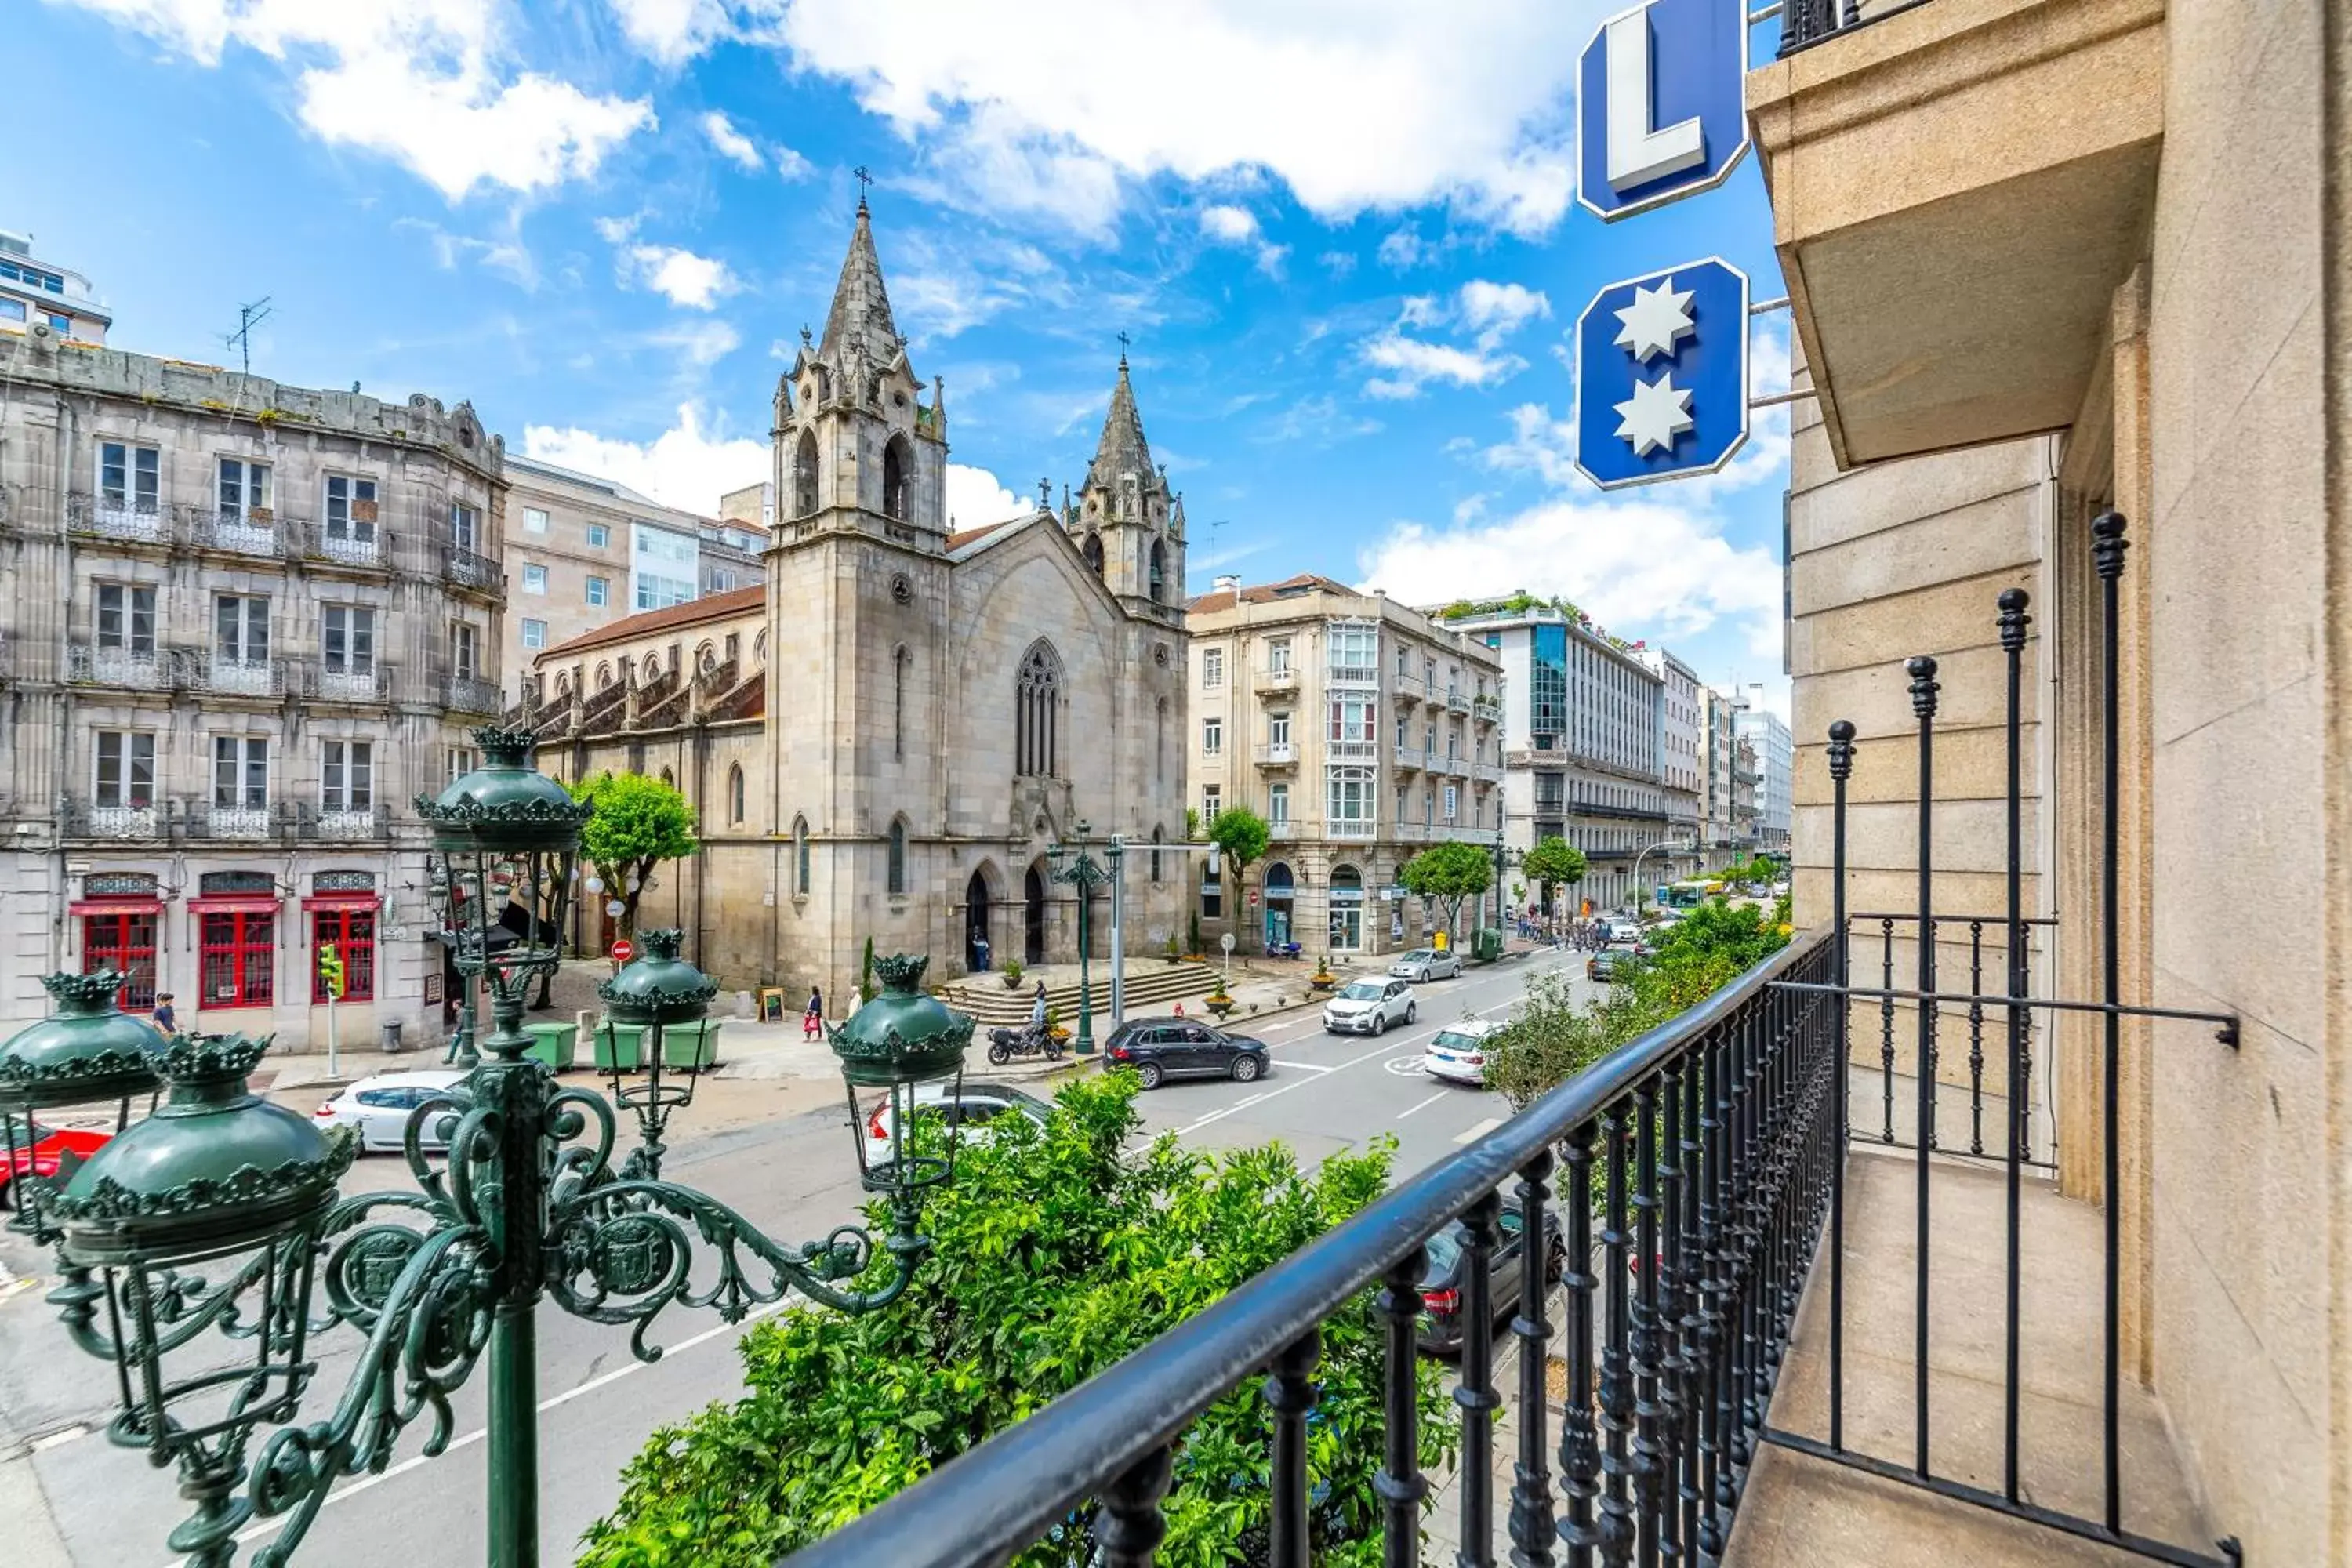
2013 621
1841 760
1532 1529
2107 546
1922 703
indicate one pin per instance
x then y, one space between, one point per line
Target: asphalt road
793 1177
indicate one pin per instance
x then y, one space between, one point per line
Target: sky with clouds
1340 234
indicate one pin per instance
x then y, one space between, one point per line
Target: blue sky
1340 234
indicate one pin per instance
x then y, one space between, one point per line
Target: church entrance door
1033 895
976 937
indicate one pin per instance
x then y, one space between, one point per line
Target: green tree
1241 836
1192 826
1053 1255
1449 873
1554 862
639 822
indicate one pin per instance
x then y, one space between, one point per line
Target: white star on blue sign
1661 376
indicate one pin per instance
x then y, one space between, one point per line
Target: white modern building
37 294
1775 767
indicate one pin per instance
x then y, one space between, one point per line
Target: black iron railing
1702 1152
1804 23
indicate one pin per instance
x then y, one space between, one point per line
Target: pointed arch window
1160 745
1159 584
735 794
898 868
1037 701
1155 852
898 478
800 857
1093 551
804 475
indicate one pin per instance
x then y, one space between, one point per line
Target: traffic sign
1661 107
1661 376
623 950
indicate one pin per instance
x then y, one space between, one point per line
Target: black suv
1445 1267
1162 1048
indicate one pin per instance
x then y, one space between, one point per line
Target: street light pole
1083 873
1117 855
1661 844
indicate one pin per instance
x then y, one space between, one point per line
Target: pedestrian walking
980 948
1037 1008
813 1016
166 1019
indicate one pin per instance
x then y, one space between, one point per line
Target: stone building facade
585 552
2133 292
907 718
1363 732
246 623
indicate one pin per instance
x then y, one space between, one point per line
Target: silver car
1426 963
1369 1007
377 1108
982 1103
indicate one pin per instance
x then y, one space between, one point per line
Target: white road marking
627 1369
1425 1104
1475 1133
1310 1067
1221 1114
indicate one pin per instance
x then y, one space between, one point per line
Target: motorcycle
1030 1040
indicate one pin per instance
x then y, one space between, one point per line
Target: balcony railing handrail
990 1504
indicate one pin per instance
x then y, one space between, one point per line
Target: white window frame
126 635
534 519
600 536
464 527
1277 728
1277 804
534 633
346 776
250 482
534 578
247 760
1213 669
1213 801
359 627
600 592
465 651
248 640
133 749
1212 737
141 488
463 760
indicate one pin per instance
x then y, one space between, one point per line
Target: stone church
885 738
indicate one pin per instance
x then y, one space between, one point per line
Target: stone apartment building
1585 734
246 623
884 738
1363 732
1720 750
585 552
2049 260
1682 761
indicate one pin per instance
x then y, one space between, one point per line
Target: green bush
1051 1258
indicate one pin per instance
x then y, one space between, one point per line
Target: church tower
1127 523
855 449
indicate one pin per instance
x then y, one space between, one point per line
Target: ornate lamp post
528 1208
657 991
91 1050
1084 873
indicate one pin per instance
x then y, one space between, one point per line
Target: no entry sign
623 950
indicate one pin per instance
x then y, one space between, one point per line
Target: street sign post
1660 105
1661 376
623 950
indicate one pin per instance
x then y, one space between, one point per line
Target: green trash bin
555 1044
620 1046
1489 945
691 1046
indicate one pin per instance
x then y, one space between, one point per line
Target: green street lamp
91 1050
656 989
1084 873
217 1218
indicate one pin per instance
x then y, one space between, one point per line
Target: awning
353 901
133 906
234 904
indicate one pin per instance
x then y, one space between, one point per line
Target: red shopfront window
353 933
239 952
123 940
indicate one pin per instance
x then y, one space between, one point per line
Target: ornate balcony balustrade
132 669
239 676
470 568
464 694
130 521
373 683
1276 680
257 530
1277 755
131 818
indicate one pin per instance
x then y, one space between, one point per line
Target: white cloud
1411 362
732 143
684 278
685 466
1229 225
791 165
699 344
975 499
1337 263
1490 312
1495 310
674 31
1638 566
1403 249
423 82
1380 104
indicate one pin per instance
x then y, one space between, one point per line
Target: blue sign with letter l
1661 376
1660 105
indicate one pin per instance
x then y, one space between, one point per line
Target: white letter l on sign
1638 155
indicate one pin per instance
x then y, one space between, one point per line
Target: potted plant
1175 950
1218 1002
1053 1025
1322 980
1013 969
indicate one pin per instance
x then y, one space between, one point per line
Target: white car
1458 1055
1426 963
982 1103
377 1108
1369 1007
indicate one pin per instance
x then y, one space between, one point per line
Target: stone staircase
1152 985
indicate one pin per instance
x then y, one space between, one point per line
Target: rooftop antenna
247 318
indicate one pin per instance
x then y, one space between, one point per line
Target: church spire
860 316
1122 449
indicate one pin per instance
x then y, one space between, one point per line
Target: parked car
1162 1048
1626 930
1369 1007
1446 1266
1426 963
981 1103
377 1108
37 1150
1459 1052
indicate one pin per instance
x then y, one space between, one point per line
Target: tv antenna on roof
247 318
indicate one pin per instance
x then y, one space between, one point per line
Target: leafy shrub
1053 1258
